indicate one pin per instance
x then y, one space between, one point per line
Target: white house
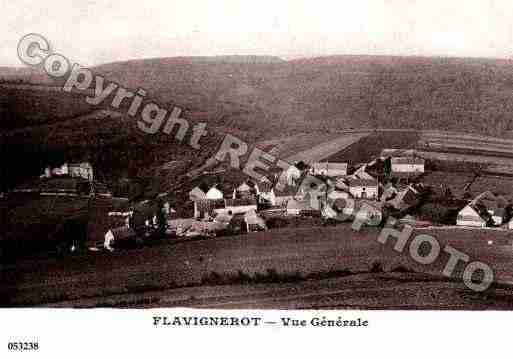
363 188
471 217
407 165
362 173
214 193
489 207
292 174
331 169
245 190
197 194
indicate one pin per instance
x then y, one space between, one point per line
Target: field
387 290
370 147
281 256
325 150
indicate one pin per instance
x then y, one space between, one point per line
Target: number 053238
23 346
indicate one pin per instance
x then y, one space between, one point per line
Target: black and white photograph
315 164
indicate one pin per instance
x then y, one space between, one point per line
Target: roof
362 173
215 191
357 182
244 187
197 192
410 160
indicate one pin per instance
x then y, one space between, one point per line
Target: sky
94 32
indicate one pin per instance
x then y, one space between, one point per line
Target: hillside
258 98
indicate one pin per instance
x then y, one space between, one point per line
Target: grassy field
289 254
380 290
369 147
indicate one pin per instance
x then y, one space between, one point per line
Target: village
393 184
386 186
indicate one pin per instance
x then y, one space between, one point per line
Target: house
254 222
240 205
369 212
405 199
214 193
363 188
472 217
410 164
485 209
246 189
265 192
197 193
208 207
362 173
83 170
330 169
292 175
